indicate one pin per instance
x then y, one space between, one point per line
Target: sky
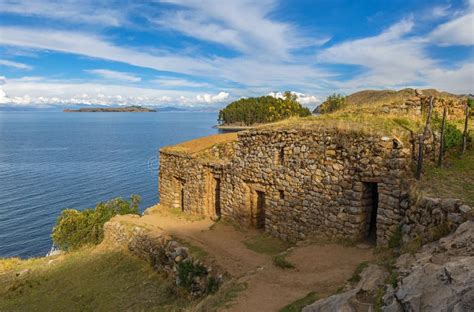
205 54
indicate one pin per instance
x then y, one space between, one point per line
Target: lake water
52 160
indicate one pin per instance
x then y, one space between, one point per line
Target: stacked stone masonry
296 183
162 252
429 214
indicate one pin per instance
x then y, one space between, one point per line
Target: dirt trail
322 268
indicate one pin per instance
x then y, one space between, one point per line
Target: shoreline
232 127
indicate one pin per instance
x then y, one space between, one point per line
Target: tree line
262 109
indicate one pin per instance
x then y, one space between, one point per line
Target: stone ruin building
295 183
292 183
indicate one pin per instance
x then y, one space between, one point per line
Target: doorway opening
370 199
179 193
181 198
217 196
260 210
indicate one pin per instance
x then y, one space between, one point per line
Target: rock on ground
360 298
440 277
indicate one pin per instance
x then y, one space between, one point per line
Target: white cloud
177 82
93 46
84 11
457 80
114 75
390 59
44 92
243 25
244 70
304 99
459 31
208 98
15 65
3 97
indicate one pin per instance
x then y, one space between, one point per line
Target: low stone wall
429 217
164 254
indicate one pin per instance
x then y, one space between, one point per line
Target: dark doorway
217 196
370 201
181 197
260 210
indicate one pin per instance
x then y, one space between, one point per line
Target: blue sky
208 53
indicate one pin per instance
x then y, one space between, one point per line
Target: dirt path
322 268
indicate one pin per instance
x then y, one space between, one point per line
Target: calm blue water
51 161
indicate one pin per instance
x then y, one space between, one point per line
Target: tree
333 102
262 110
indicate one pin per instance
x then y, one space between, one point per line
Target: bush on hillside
470 103
333 102
452 135
262 109
76 228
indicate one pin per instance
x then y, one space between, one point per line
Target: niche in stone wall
280 156
256 204
178 193
216 196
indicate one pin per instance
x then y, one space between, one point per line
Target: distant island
126 109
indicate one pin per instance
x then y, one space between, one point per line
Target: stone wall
316 183
295 183
429 217
188 184
163 253
420 103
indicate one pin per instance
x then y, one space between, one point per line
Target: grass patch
266 244
281 262
176 212
454 180
194 250
223 299
355 278
396 239
299 304
412 246
88 280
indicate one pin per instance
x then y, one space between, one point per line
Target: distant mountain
126 109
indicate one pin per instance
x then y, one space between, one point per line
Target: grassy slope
87 280
455 180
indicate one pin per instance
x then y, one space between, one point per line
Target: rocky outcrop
440 277
166 255
361 298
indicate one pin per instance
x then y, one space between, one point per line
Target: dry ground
321 268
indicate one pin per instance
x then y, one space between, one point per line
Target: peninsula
126 109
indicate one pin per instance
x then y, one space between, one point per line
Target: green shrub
262 109
281 262
212 285
187 271
75 228
452 135
470 103
333 102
